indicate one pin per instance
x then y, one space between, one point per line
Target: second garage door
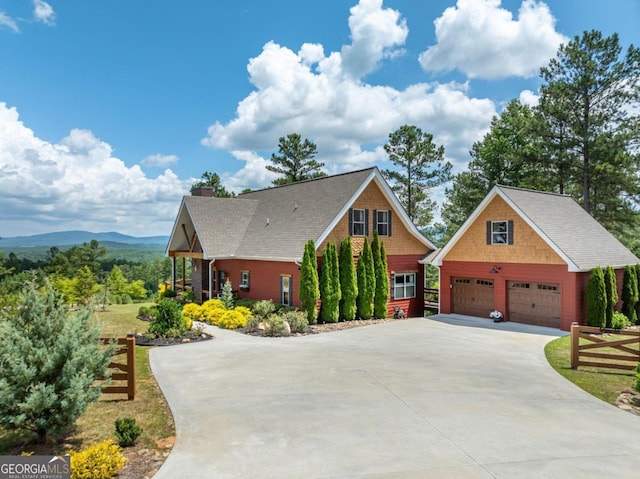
534 303
473 297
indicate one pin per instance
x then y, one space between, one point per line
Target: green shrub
629 293
232 319
127 431
148 313
227 295
189 296
275 325
637 385
168 293
101 461
620 321
308 286
246 302
168 321
252 323
297 321
596 299
263 309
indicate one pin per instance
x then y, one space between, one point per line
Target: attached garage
534 303
472 296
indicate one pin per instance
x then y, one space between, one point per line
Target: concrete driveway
419 398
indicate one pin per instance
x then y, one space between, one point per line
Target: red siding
571 284
407 264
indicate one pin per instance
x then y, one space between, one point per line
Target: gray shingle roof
275 223
563 224
567 226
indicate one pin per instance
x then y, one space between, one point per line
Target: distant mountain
71 238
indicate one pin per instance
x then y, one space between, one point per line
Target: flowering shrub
232 319
244 311
101 461
192 311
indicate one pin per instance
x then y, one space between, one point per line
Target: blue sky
110 109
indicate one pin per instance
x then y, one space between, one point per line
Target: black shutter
510 232
488 232
393 286
350 221
366 222
389 227
375 220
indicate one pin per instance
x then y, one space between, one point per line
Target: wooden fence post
131 366
575 344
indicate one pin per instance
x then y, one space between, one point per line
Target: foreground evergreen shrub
101 461
630 293
309 286
596 297
297 321
348 281
330 293
612 294
50 360
127 431
275 325
169 322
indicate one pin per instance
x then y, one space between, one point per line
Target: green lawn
605 384
97 424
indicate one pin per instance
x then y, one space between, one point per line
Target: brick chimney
202 191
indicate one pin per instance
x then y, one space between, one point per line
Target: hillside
71 238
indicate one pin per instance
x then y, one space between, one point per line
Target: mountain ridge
77 237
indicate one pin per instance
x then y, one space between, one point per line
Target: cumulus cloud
43 12
7 22
78 184
159 160
325 98
527 97
483 40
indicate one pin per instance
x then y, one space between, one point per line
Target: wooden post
131 367
575 344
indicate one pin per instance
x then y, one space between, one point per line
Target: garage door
534 303
473 297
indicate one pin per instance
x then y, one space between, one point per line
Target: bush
275 325
192 311
127 431
252 323
232 319
596 299
168 293
101 461
212 315
297 321
244 311
263 309
246 302
637 385
169 321
188 296
620 321
147 313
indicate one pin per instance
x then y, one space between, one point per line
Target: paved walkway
419 398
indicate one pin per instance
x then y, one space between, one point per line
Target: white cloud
527 97
324 98
159 160
78 184
43 12
482 40
7 22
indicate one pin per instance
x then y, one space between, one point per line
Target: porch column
173 273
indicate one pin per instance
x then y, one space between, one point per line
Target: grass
605 384
97 423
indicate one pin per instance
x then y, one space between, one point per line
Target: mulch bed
189 337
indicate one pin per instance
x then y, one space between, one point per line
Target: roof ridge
530 190
310 180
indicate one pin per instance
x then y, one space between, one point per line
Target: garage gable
500 234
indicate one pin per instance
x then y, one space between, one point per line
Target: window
404 285
285 290
382 222
358 222
244 280
499 232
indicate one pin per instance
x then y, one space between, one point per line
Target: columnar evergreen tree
366 282
637 268
381 298
330 285
630 293
348 281
612 294
50 360
309 289
596 296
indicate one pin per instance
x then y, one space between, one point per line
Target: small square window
404 285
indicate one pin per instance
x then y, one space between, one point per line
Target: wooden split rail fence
625 343
127 370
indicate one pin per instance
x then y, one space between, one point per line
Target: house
527 254
256 240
